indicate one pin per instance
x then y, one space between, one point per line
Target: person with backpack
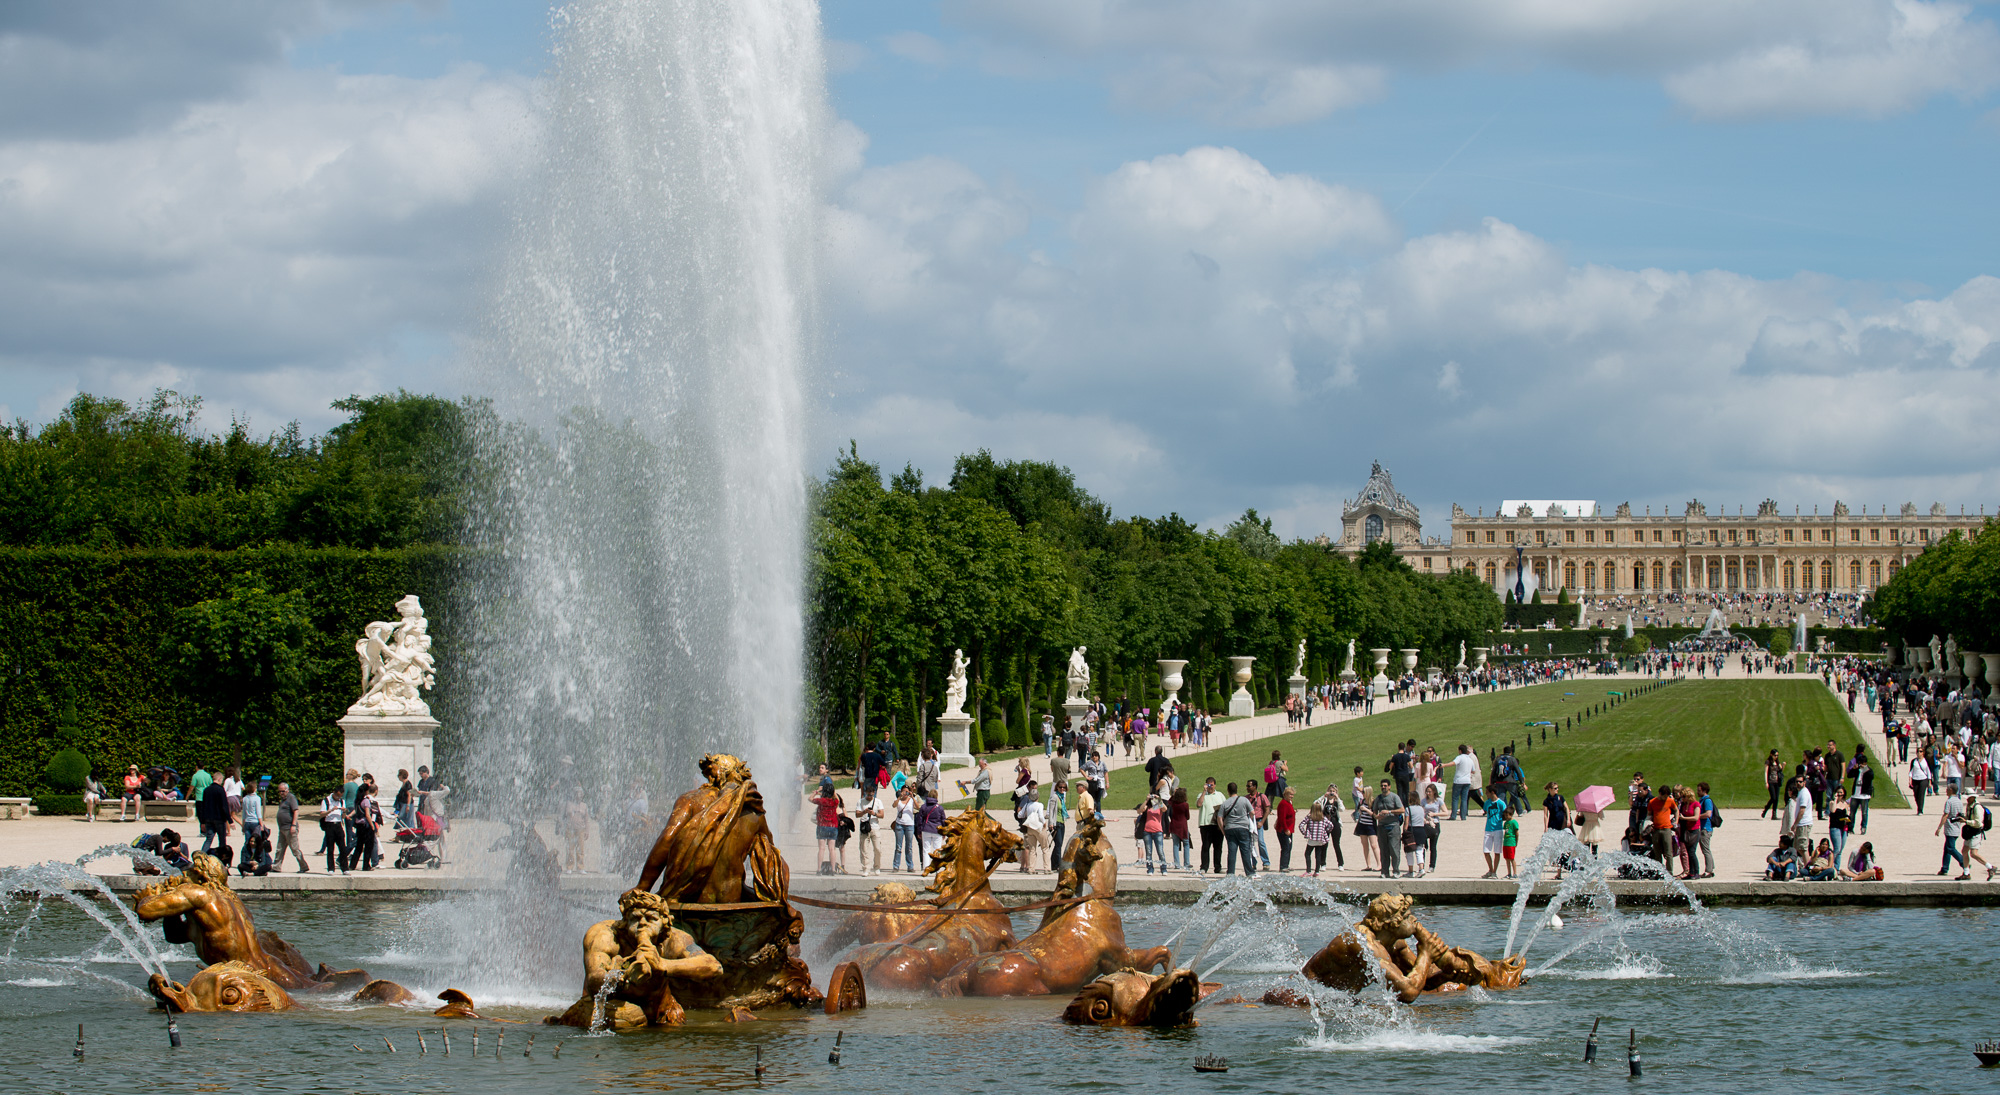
1389 809
1402 768
1261 810
1496 814
333 831
1978 822
1238 819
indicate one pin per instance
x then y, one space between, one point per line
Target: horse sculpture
1075 944
964 920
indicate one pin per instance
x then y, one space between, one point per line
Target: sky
1209 256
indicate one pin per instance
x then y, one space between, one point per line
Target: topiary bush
68 770
59 805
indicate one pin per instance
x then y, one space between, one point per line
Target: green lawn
1684 732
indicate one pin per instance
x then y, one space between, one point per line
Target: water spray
834 1057
1590 1045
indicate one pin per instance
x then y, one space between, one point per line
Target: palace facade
1575 545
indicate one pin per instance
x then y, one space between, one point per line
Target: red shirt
829 810
1288 815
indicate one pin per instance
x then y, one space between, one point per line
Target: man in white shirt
1951 822
1464 777
1802 821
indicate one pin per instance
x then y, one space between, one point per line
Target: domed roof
1380 490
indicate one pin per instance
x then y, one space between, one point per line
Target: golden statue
1074 944
714 881
246 969
1131 998
1412 958
642 955
956 927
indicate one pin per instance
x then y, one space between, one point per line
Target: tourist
198 784
1058 818
1086 803
1951 822
1774 782
1864 790
1157 766
982 786
212 812
93 793
1260 805
333 831
1661 811
1402 768
1590 828
1510 839
904 829
1317 831
1509 777
1839 821
1238 820
927 773
900 778
364 825
232 790
1861 867
431 792
1284 825
1493 840
1415 829
1689 814
1048 736
286 806
1094 772
1209 821
1920 779
930 826
826 825
1359 789
1275 775
1711 817
867 818
1329 807
406 800
1780 865
1177 830
868 769
1151 830
1366 835
1389 810
1978 822
129 796
1820 866
1434 814
252 811
1464 777
1034 831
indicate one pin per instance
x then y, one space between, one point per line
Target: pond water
1778 1000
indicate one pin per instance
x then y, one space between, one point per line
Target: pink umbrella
1594 799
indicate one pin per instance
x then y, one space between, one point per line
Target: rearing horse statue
1075 943
965 923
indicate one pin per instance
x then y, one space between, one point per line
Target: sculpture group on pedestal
1079 676
954 686
395 663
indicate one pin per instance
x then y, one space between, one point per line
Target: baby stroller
423 846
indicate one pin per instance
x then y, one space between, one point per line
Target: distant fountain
637 602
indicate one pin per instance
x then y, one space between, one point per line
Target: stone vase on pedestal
1241 702
955 739
1410 660
1971 667
1479 656
1379 684
1993 674
1171 679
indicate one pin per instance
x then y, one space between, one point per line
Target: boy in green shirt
1512 839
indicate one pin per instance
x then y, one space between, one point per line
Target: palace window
1791 576
1569 575
1677 536
1924 535
1788 536
1714 536
1875 572
1492 572
1427 562
1658 576
1589 536
1732 536
1875 535
1806 574
1590 575
1540 536
1656 536
1854 534
1510 536
1489 536
1826 536
1569 536
1826 575
1371 529
1854 575
1894 566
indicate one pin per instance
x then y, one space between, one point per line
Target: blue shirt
1708 813
1496 813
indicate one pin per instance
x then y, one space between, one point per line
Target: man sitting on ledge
1781 864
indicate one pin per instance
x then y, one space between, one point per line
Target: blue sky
1210 256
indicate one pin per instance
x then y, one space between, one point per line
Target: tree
1253 534
242 657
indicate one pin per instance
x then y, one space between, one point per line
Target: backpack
1986 820
1714 812
1506 768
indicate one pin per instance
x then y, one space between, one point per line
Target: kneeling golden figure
641 955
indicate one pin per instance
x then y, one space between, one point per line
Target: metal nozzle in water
387 1042
79 1042
760 1064
558 1054
447 1040
530 1051
1632 1052
499 1044
834 1057
173 1031
1590 1045
423 1050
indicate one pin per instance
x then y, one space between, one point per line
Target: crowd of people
254 824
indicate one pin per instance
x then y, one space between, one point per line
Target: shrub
1781 643
59 805
68 770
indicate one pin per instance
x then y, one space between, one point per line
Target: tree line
1952 589
1015 563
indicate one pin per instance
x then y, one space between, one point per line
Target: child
1512 838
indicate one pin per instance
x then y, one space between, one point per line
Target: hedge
1846 640
96 621
59 805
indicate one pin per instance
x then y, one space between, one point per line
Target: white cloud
1189 348
1276 62
317 223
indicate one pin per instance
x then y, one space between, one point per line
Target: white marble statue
1937 654
1299 668
396 663
1347 670
1951 653
954 686
1461 653
1079 675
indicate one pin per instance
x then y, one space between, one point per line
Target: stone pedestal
1297 684
1075 708
955 740
1379 684
1241 702
382 744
